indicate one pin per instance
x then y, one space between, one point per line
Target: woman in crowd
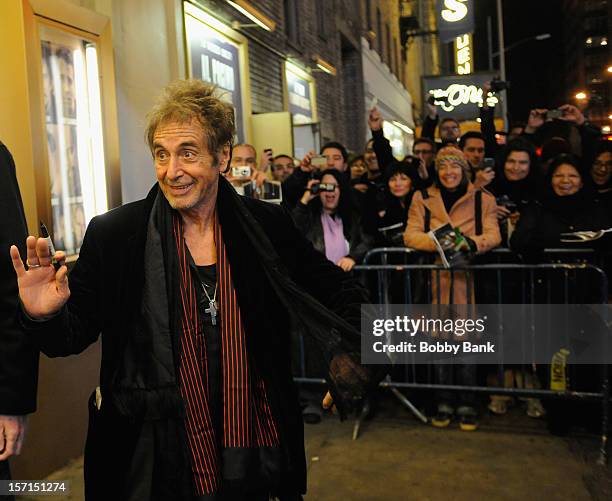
567 206
453 200
328 219
601 173
395 203
517 183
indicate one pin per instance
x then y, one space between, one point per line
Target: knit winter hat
452 154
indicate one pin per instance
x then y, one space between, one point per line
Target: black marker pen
45 234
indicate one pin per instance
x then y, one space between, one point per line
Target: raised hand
42 290
536 120
572 114
305 164
375 120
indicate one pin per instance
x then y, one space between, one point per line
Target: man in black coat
194 291
18 357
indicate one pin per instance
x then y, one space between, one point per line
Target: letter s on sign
455 10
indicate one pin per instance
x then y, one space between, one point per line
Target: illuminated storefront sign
217 58
459 96
455 18
464 60
301 101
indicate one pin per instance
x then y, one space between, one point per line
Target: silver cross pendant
212 311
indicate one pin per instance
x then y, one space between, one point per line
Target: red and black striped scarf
247 417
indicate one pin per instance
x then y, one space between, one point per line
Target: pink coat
462 215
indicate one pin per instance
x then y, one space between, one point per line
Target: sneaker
497 405
468 423
535 408
441 419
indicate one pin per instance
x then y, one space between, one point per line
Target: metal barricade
401 275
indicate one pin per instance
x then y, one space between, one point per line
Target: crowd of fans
551 178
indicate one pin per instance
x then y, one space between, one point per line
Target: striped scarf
247 417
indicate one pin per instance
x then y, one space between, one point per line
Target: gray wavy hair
182 101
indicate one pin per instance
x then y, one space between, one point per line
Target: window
75 143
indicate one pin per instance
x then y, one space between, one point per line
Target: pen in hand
44 233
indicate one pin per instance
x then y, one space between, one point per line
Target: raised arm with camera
382 147
431 121
487 123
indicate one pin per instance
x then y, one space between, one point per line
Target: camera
433 100
316 188
498 85
318 161
487 163
505 201
551 114
243 171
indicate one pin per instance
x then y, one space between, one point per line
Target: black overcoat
271 263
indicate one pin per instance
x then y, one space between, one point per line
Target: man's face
449 131
424 151
474 151
68 90
370 158
335 160
282 168
185 169
244 155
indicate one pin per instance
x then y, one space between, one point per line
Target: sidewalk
398 458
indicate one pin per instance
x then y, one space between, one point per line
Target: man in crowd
448 129
196 395
18 357
472 144
372 165
282 167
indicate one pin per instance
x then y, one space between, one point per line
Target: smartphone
318 161
554 114
488 163
268 150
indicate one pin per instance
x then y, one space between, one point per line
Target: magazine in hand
450 244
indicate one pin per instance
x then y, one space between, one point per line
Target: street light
581 96
538 38
609 69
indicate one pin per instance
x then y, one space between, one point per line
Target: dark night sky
535 69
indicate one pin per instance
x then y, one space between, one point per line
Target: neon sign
455 10
463 54
459 94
